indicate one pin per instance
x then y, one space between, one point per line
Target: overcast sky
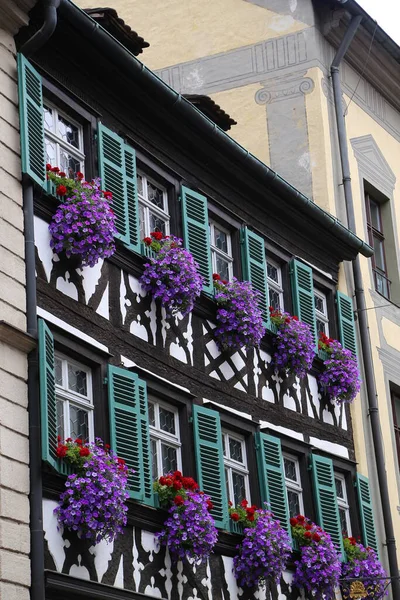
387 13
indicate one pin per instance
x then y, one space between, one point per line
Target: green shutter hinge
190 419
105 381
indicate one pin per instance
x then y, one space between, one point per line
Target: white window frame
231 465
77 153
217 252
159 436
69 397
294 486
343 503
149 206
322 316
276 285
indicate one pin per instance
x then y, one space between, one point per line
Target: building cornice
16 337
14 14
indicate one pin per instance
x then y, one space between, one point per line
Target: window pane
77 380
51 156
153 445
155 195
142 223
239 489
290 469
339 488
79 423
152 416
222 268
319 304
58 371
321 326
379 255
157 224
272 272
167 420
227 486
68 132
343 521
60 419
221 240
274 299
294 503
169 458
48 118
235 450
223 445
396 402
69 164
139 180
382 285
375 215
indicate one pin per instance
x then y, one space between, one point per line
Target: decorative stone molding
16 337
290 86
373 164
14 14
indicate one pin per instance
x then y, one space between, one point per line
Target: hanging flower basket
293 343
94 502
83 226
239 320
363 565
189 531
340 378
265 549
319 569
171 275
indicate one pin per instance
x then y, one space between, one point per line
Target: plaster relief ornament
171 274
94 501
239 320
189 532
83 225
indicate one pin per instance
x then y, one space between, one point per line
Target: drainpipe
362 314
35 458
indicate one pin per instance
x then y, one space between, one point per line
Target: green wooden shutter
33 155
48 404
196 233
129 429
117 170
347 328
303 295
210 461
254 268
272 477
132 199
366 513
325 498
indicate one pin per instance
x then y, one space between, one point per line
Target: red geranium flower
48 167
244 503
55 169
162 480
224 281
147 241
108 195
235 516
308 527
216 277
301 519
61 450
316 537
61 190
177 485
62 174
293 522
84 451
308 535
210 505
78 441
80 175
157 235
179 500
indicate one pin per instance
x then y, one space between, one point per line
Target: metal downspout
37 591
362 314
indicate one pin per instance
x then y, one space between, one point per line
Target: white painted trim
128 363
76 332
329 447
289 432
232 410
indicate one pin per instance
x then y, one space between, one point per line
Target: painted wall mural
188 339
135 562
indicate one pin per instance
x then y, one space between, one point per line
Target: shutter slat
129 430
347 328
210 461
255 270
366 513
33 155
48 402
326 499
196 233
272 477
303 295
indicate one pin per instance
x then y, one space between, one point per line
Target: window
221 251
74 399
235 463
343 505
377 241
293 485
63 141
396 421
275 289
164 438
321 313
153 206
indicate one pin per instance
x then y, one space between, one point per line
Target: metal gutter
366 348
184 110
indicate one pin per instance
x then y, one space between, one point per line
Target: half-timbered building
159 390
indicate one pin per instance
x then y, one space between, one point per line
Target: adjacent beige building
267 64
14 342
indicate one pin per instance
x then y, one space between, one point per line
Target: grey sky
387 13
